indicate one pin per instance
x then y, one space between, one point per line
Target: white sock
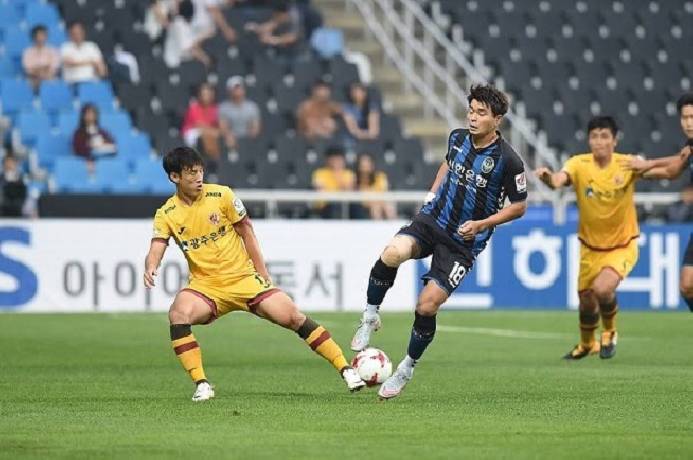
370 311
409 361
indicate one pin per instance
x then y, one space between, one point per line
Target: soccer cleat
204 392
394 385
352 379
607 348
362 336
581 351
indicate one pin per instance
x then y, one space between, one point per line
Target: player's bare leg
280 309
423 331
604 288
190 308
687 285
400 249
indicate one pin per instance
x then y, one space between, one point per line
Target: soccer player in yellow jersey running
227 271
608 231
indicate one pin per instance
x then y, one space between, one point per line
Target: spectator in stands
370 180
158 16
361 114
90 140
315 116
283 30
333 177
182 43
14 190
40 61
682 211
238 117
209 17
201 123
82 60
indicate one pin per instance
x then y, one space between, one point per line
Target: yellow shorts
592 262
235 294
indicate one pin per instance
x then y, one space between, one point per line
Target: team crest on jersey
487 165
214 218
521 182
238 206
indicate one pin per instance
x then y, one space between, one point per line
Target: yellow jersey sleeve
161 227
572 168
233 206
380 184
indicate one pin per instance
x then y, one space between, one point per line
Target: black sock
689 301
381 279
421 335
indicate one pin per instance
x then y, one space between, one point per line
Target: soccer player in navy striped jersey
462 209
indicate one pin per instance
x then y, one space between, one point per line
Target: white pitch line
510 333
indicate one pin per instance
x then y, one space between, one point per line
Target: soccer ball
373 366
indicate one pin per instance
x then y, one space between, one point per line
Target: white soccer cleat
362 336
204 392
394 385
352 379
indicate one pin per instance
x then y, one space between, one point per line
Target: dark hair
334 151
370 177
36 29
74 23
603 122
321 82
180 158
365 110
686 99
496 100
85 107
186 9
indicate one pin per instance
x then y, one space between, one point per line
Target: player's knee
392 256
177 315
686 288
427 306
296 320
604 294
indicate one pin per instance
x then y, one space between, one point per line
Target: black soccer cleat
580 351
607 349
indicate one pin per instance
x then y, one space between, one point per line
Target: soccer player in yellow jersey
608 231
227 271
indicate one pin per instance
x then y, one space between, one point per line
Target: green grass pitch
490 386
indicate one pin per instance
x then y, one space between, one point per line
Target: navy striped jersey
475 187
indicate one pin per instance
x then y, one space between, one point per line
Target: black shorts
688 257
451 261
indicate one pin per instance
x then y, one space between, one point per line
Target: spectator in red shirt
90 140
201 123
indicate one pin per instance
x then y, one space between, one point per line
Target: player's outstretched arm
440 175
244 228
662 168
552 179
157 248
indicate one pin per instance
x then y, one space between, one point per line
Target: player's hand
544 174
149 275
469 229
638 164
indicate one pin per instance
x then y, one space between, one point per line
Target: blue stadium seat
7 68
41 13
116 123
71 175
51 146
150 172
55 95
68 121
98 93
16 40
9 15
134 146
57 35
111 172
15 95
31 125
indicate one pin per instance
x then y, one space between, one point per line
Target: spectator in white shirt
209 17
181 43
82 60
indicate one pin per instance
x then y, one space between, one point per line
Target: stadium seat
57 35
31 125
51 146
151 173
15 95
98 93
68 121
116 123
16 40
133 145
71 175
7 68
9 15
55 95
41 13
111 172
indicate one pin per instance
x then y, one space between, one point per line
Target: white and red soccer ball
372 365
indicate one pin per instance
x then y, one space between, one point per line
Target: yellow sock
321 342
588 323
608 312
188 351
